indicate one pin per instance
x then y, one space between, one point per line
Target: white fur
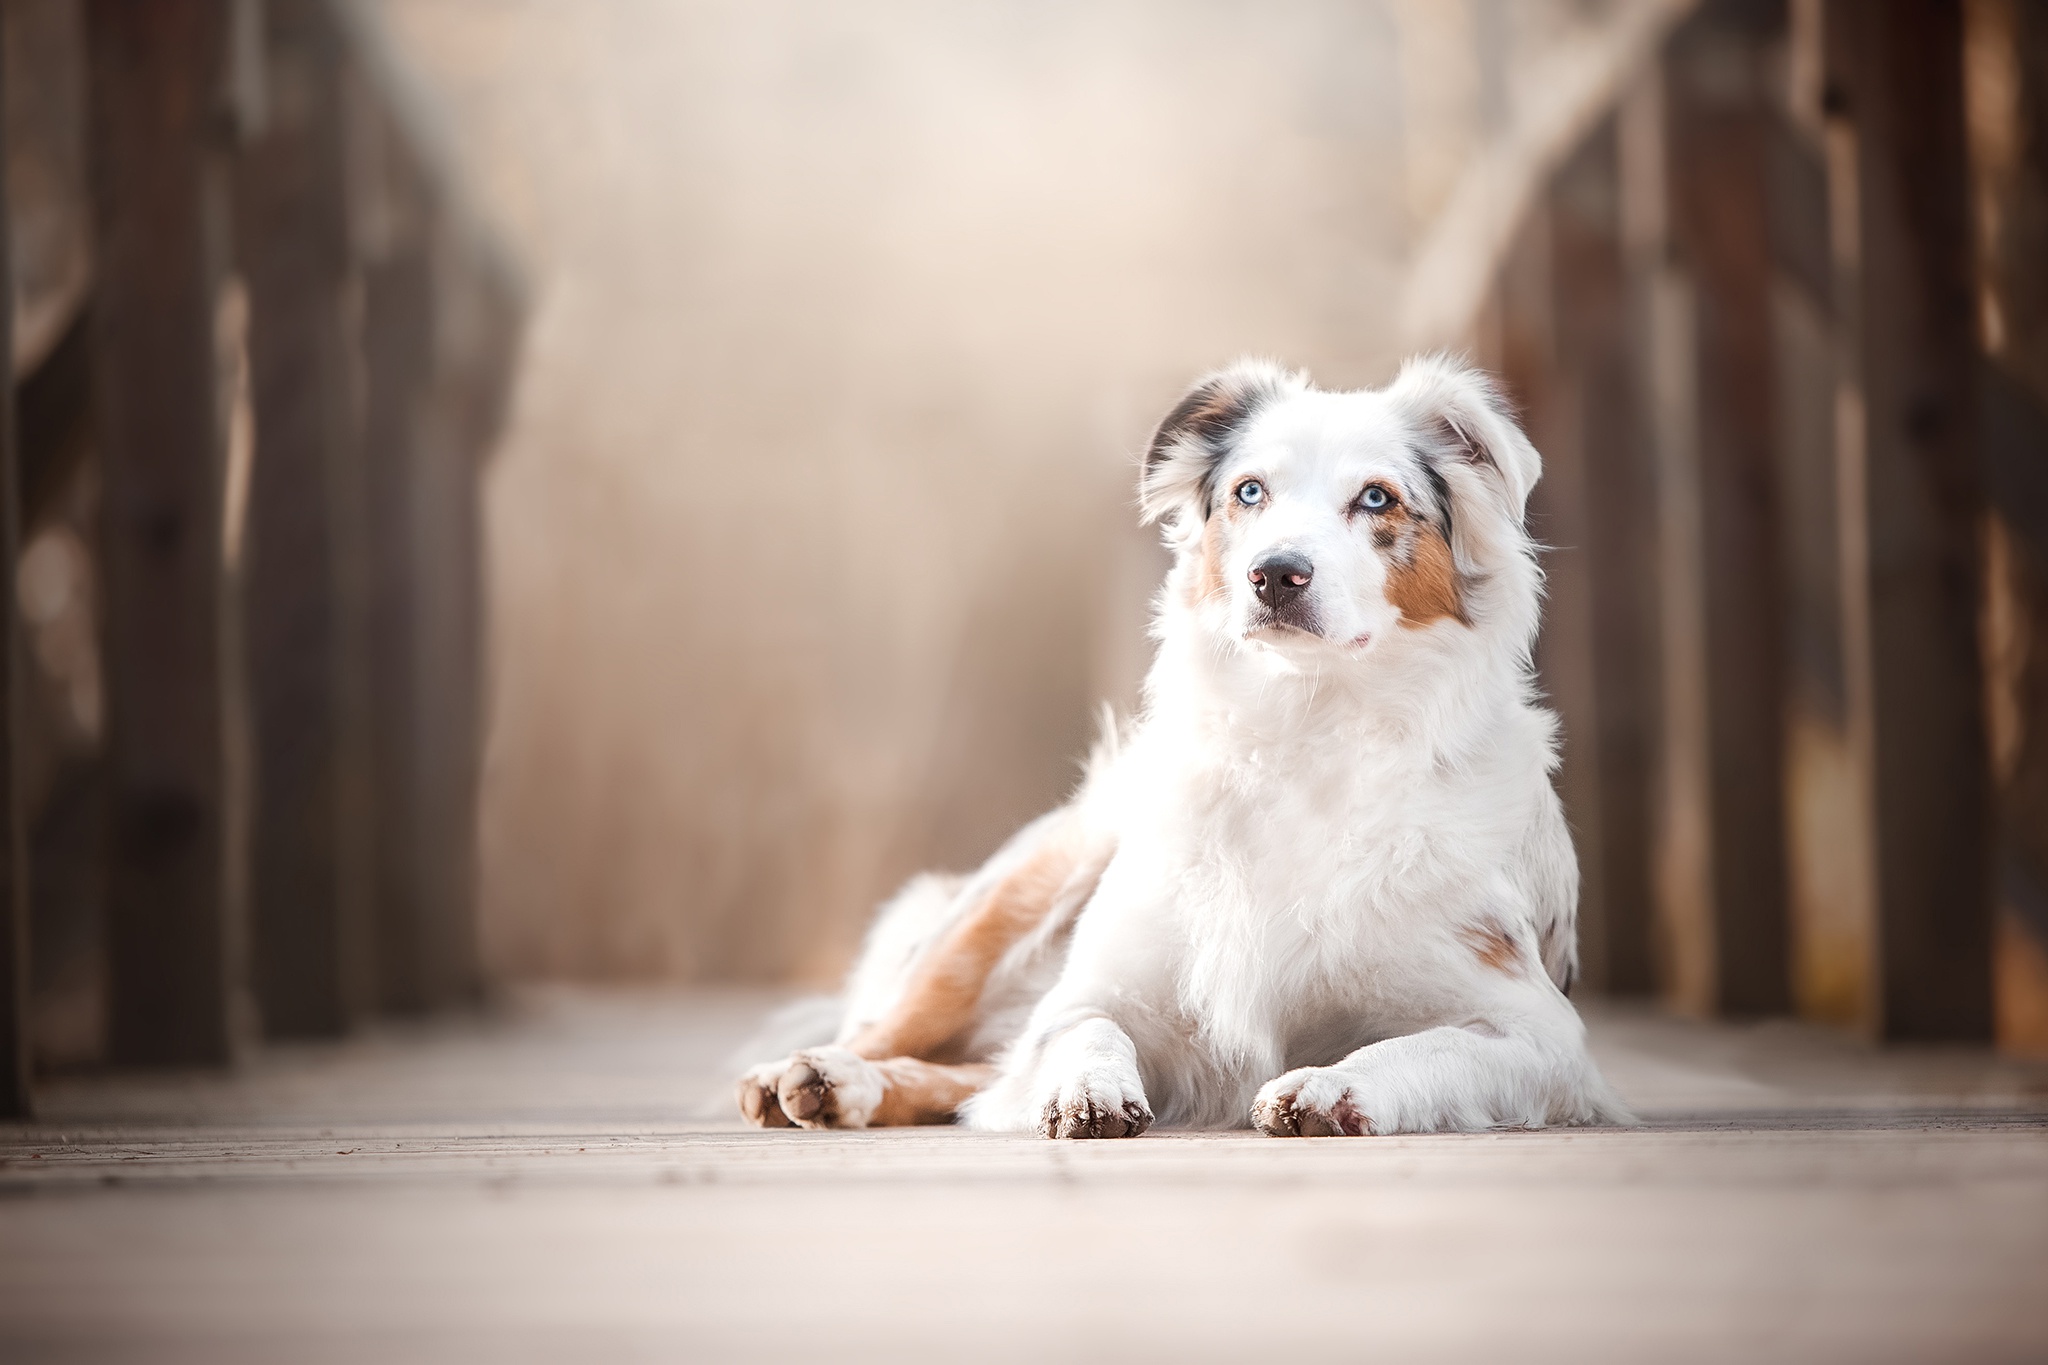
1314 833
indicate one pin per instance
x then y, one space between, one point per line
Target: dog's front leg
1511 1067
1071 1078
1074 1072
1090 1084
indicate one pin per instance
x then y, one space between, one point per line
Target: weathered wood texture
2007 71
1827 820
412 948
1718 117
440 328
305 548
1897 71
15 1051
540 1189
159 131
1596 510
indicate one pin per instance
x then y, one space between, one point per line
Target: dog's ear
1188 448
1472 442
1462 415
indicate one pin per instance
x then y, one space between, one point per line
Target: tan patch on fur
1422 577
1494 945
938 1002
916 1091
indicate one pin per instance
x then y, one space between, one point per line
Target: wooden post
448 656
397 346
2007 70
309 888
1896 71
1828 825
417 948
1722 646
440 326
16 1071
1565 339
427 617
160 129
1603 517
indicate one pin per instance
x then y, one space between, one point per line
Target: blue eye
1375 499
1251 492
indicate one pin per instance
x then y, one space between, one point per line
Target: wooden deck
561 1180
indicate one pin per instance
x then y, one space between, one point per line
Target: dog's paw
759 1104
823 1087
829 1087
1315 1101
1096 1104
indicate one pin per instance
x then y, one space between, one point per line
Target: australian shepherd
1322 884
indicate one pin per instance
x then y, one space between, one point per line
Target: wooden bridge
1777 313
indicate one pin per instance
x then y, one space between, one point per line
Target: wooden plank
16 1069
448 655
1827 816
53 413
396 217
1682 871
310 855
1896 71
1611 507
440 332
397 334
1567 355
162 217
2006 66
546 1178
1717 122
1525 351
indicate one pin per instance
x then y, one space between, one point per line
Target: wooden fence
1780 326
256 414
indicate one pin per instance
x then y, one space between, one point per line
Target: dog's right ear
1188 448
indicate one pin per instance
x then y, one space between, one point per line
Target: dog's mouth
1284 624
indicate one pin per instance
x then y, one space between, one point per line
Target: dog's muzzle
1281 582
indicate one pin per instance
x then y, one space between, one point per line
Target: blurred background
513 490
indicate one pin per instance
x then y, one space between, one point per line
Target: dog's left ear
1471 439
1190 445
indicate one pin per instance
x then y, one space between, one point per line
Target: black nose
1281 578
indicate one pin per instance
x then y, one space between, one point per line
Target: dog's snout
1279 579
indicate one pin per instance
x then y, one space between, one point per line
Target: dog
1323 884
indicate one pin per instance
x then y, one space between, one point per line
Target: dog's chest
1299 878
1316 835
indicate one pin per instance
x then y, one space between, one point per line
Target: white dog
1323 885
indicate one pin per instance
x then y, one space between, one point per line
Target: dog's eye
1251 492
1375 498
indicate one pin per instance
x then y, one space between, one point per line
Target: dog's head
1314 522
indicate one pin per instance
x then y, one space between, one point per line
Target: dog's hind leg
887 1072
940 1000
830 1087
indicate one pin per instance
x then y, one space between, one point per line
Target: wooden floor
549 1183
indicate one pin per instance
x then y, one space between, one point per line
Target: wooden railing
1790 383
263 420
